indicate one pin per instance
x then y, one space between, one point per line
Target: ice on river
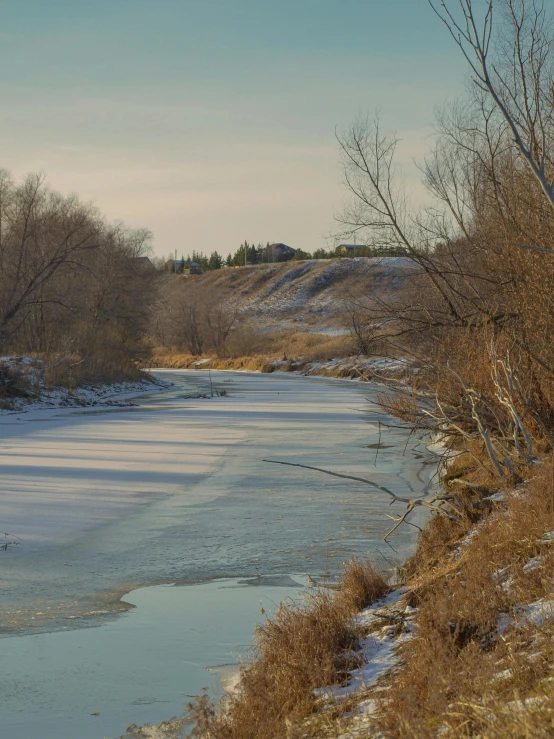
175 489
64 474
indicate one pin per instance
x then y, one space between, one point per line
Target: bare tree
477 308
380 209
198 317
516 72
71 285
221 317
41 233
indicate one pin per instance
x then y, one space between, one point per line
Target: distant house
195 269
174 265
362 250
280 252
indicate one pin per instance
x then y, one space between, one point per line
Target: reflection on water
199 505
277 581
93 683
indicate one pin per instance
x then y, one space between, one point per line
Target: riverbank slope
461 646
359 367
23 387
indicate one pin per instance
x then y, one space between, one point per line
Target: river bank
24 389
365 369
461 648
174 489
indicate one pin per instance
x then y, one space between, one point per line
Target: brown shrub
460 673
73 371
17 380
304 646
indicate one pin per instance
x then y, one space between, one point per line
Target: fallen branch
411 503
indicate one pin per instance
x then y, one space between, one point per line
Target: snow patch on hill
312 291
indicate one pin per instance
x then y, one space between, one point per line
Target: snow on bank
376 369
382 620
171 729
388 624
117 394
535 614
42 397
358 367
378 649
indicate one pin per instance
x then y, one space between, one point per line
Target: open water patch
143 667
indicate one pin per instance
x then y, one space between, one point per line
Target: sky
213 121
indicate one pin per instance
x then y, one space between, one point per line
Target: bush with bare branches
73 288
478 313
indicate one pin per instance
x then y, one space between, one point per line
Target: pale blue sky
212 121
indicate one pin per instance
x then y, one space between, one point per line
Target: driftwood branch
338 474
433 504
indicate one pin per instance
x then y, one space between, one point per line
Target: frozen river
175 490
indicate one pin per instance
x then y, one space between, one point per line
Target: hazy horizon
211 123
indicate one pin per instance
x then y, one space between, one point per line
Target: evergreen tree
215 261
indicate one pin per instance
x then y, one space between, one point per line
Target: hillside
311 292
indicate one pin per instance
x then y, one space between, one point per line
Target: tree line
73 287
249 254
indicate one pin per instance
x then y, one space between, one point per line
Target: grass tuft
462 676
303 646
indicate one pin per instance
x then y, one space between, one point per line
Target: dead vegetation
75 290
17 380
480 663
303 646
248 348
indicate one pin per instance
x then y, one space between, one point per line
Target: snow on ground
172 729
301 291
378 648
533 564
374 368
383 620
110 394
548 538
60 397
535 614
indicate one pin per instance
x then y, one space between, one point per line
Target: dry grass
251 349
16 381
74 371
313 347
176 360
303 646
460 675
